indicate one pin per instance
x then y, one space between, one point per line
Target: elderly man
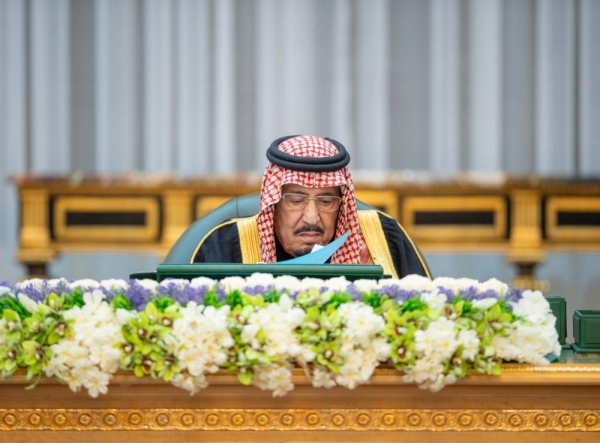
307 199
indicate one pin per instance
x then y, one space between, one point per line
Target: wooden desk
520 217
557 403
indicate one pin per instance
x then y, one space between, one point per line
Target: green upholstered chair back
242 206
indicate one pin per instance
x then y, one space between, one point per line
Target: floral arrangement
261 327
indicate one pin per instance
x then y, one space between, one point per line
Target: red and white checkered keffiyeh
275 177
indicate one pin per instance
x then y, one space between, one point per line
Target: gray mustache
309 228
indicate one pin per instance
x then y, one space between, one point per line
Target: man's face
298 230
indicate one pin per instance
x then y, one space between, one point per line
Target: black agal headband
308 164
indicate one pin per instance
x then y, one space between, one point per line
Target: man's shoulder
220 244
387 221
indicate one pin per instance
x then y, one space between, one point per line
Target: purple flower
397 293
513 295
449 293
470 293
490 293
38 289
258 289
138 295
354 292
189 294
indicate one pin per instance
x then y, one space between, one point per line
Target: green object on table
586 331
558 304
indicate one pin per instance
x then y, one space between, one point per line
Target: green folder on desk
218 271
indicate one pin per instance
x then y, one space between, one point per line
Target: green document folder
218 271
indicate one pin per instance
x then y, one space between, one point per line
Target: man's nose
311 213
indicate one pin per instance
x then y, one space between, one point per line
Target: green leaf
163 303
234 298
8 303
121 302
74 299
10 315
414 304
272 296
212 299
245 378
373 299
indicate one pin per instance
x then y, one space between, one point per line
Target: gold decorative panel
206 204
384 200
455 218
573 219
98 219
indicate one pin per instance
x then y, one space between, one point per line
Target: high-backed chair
242 206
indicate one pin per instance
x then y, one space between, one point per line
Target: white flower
532 306
434 299
350 375
493 285
201 342
146 283
192 384
362 324
123 316
5 290
468 338
412 282
259 279
96 382
85 284
96 297
309 282
337 284
274 378
230 284
365 285
285 282
29 304
114 285
322 379
533 335
202 282
92 354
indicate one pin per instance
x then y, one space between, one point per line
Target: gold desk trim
132 419
553 404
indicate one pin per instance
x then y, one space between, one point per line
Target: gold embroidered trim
249 241
206 236
416 250
370 225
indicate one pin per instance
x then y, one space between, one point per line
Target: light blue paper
318 257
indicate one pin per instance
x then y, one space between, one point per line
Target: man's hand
365 257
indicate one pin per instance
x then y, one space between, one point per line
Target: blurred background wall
189 87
